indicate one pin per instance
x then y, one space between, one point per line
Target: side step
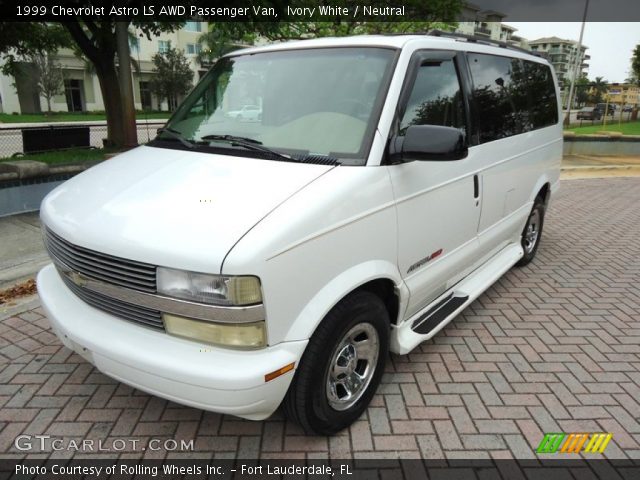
430 320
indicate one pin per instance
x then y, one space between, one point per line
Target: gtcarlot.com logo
47 443
574 442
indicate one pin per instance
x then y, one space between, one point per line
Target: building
624 94
81 87
488 24
563 55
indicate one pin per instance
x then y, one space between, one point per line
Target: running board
430 320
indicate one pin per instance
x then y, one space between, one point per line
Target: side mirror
429 142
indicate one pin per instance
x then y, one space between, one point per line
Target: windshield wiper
177 136
248 143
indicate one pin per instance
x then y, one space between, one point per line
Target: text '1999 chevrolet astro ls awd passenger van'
239 262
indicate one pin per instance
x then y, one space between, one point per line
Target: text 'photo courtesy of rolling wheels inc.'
350 239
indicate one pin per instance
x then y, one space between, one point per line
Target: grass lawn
630 128
71 117
75 155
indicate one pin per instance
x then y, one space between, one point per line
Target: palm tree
599 87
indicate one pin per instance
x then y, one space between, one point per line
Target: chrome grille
108 269
127 311
100 266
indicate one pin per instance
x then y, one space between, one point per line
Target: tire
532 233
318 398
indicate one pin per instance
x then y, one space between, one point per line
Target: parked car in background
247 112
627 108
589 113
604 108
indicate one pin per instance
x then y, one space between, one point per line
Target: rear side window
436 98
512 96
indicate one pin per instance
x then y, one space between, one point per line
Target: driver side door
438 202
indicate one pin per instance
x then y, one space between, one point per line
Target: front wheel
341 367
532 233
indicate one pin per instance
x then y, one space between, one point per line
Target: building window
74 93
145 96
194 48
164 46
193 27
134 44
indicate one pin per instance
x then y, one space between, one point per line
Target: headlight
205 288
238 335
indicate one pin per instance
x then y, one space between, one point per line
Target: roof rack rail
476 39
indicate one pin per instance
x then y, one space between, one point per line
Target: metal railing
11 138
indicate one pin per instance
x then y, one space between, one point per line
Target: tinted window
511 96
541 94
435 98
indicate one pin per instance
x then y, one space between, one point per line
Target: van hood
170 207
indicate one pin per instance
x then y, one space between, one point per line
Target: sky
610 44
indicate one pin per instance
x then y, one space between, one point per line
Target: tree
173 77
21 40
93 37
582 90
49 78
635 66
34 44
217 42
599 88
97 40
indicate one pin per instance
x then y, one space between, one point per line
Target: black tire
536 217
307 401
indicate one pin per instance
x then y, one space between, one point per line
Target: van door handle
476 187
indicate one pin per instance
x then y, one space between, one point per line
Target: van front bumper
183 371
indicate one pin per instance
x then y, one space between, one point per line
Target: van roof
452 42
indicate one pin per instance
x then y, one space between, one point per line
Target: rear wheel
532 232
341 367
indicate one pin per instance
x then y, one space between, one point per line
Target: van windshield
323 101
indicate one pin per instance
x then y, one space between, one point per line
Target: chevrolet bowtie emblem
77 278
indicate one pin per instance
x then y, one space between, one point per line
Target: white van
235 266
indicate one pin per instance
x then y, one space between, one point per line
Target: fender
542 181
346 282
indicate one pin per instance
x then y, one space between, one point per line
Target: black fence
21 140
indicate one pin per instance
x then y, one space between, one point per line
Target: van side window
436 97
511 96
541 92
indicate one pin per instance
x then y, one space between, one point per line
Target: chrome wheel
531 232
352 366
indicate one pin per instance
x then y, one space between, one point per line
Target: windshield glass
323 101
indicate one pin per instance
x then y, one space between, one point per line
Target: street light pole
574 73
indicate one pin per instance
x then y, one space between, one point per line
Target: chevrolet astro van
237 264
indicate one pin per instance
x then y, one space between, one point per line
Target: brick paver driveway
553 347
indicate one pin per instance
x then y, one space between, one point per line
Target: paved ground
21 250
552 347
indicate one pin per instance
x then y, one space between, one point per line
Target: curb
21 305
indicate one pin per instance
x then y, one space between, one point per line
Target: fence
11 137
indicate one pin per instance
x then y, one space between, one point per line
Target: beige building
488 24
563 55
81 87
624 94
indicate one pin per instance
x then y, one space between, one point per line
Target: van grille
108 269
127 311
99 266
